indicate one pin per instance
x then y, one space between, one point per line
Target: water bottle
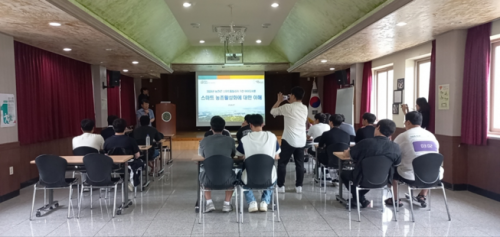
147 140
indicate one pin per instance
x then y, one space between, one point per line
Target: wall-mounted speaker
114 78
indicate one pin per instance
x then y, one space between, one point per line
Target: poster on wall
7 110
444 97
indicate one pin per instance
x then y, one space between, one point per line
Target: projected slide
229 96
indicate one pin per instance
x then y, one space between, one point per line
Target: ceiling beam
78 13
379 13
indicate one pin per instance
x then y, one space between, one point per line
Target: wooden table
78 160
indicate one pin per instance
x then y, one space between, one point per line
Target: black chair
259 170
375 173
120 151
52 172
84 150
426 169
219 175
99 168
329 160
151 151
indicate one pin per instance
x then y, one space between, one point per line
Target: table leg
125 202
147 165
197 205
170 158
340 196
48 205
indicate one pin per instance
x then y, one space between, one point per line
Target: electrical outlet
11 170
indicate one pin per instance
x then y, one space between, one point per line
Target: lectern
166 118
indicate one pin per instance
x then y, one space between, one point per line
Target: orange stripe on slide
223 77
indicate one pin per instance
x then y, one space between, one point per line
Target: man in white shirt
259 142
415 142
294 136
320 126
88 138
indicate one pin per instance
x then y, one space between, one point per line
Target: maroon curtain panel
475 85
366 90
128 99
432 90
330 87
113 99
54 93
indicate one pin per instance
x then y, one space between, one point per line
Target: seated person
379 145
244 130
348 128
368 129
109 131
315 131
210 132
408 141
259 142
143 131
88 138
217 144
120 140
145 110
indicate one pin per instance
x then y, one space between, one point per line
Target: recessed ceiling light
186 4
332 68
275 5
324 61
67 49
401 24
135 62
108 49
258 41
125 70
55 24
202 41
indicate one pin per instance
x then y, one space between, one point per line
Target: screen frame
203 73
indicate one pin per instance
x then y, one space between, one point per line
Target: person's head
368 118
296 94
413 119
87 125
144 91
217 123
327 117
145 104
247 120
343 118
119 125
319 118
144 120
111 119
422 104
335 120
385 127
256 122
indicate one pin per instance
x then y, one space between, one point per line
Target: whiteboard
345 104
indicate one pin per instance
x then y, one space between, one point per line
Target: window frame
417 76
491 96
375 91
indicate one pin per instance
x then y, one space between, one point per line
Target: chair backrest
119 151
259 171
84 150
426 169
333 161
219 172
375 172
98 168
52 170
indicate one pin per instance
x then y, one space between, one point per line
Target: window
382 91
495 87
423 69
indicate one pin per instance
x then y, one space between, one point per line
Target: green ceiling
151 25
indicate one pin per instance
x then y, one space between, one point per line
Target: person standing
143 96
294 136
424 108
145 111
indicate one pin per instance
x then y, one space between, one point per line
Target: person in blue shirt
145 110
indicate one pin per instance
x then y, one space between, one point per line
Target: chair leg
350 183
383 204
394 204
445 202
277 202
429 197
236 203
397 188
241 207
33 202
411 203
114 201
358 204
90 196
70 203
324 178
123 192
80 201
200 205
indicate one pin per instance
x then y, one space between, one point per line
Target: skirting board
8 196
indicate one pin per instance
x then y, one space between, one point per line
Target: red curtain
128 99
475 85
113 99
54 93
366 90
330 87
432 90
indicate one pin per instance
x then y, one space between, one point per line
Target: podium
166 122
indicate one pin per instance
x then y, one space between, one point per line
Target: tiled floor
167 209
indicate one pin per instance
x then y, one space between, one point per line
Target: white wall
357 76
403 66
8 82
